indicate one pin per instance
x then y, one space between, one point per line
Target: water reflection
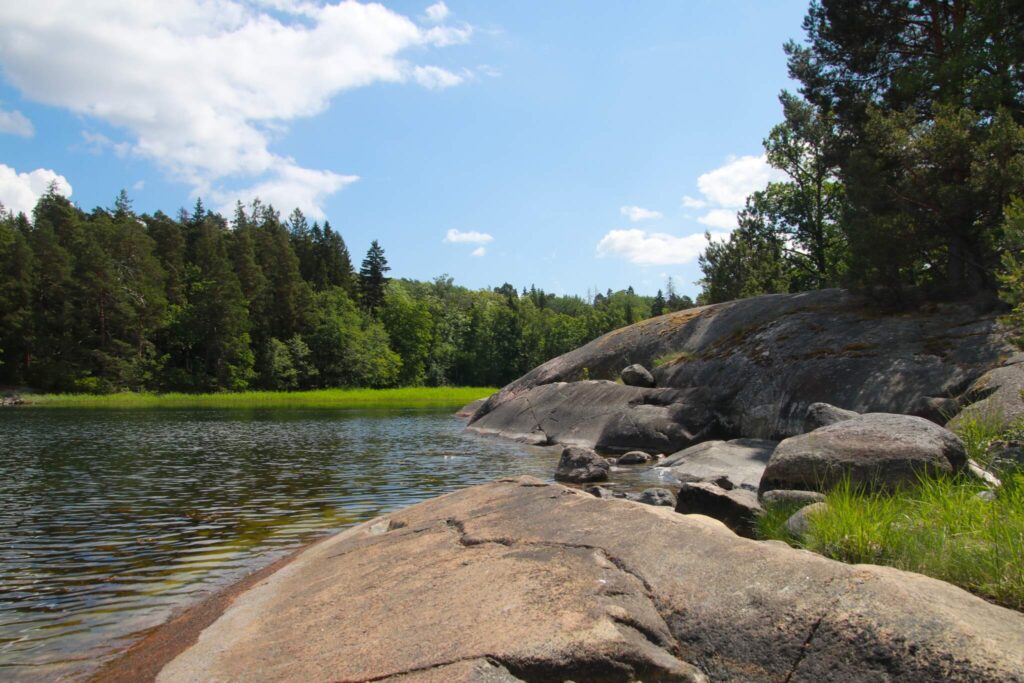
111 520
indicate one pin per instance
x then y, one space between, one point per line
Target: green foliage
372 281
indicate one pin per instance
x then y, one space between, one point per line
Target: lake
112 520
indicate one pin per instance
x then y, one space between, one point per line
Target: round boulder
654 496
637 375
878 451
580 465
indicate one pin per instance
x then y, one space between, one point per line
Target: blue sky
571 145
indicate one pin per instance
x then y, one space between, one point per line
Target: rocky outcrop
751 368
637 375
996 397
517 580
730 464
581 465
875 451
613 418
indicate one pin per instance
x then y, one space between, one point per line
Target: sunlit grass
940 528
410 397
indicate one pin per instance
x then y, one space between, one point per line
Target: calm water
112 520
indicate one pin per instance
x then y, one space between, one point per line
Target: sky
577 146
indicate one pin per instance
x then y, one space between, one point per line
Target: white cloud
651 248
719 218
291 186
471 237
16 123
202 87
479 251
635 214
19 192
435 78
693 203
139 185
437 12
729 185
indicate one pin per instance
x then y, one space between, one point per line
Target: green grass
938 528
672 358
411 397
978 429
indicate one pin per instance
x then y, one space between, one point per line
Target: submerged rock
877 451
581 465
635 458
518 580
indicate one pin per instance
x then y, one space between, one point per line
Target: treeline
111 300
903 153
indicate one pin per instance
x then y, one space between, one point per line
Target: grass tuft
409 397
672 358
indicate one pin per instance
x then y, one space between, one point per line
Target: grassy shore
411 397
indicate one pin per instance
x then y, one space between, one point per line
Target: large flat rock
751 368
520 580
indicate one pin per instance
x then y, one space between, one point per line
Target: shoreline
143 660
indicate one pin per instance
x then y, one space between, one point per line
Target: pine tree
372 282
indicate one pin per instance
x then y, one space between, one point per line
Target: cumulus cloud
19 192
719 218
635 214
693 203
16 123
730 184
651 248
479 251
437 12
470 237
201 87
726 188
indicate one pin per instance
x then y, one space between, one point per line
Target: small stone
986 495
635 458
637 375
798 524
581 465
654 496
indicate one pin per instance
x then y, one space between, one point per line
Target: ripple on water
112 520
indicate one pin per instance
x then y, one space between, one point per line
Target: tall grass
410 397
940 528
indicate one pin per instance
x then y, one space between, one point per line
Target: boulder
995 397
518 580
581 465
876 451
737 509
635 458
753 367
731 464
654 496
799 522
822 415
613 418
636 375
791 497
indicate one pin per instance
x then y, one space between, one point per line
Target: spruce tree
372 281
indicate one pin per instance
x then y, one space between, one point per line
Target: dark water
112 520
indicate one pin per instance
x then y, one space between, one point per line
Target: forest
111 300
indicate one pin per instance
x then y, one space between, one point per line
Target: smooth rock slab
549 583
876 450
739 462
